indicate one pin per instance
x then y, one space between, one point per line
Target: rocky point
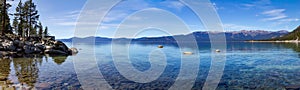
16 46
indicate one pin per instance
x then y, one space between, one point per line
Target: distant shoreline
286 41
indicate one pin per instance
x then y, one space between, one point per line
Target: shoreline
287 41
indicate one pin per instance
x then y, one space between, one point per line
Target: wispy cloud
67 23
275 18
289 20
248 5
72 14
118 13
66 19
236 27
274 14
173 4
115 16
124 9
278 16
269 12
260 4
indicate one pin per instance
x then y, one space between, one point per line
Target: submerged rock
293 87
53 51
73 51
187 53
160 46
217 50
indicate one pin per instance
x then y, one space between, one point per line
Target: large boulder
73 51
60 46
19 50
40 46
28 43
32 49
7 46
3 53
16 42
48 47
28 49
21 44
11 48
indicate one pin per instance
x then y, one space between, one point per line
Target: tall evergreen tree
32 16
3 15
25 22
33 30
40 33
5 22
46 31
15 25
19 20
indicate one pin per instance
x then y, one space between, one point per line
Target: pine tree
3 16
5 22
15 25
25 22
33 30
19 20
46 31
32 16
40 29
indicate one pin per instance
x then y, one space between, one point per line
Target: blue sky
273 15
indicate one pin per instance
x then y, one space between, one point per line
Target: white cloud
278 17
289 20
122 10
261 4
66 23
248 5
274 14
72 14
115 16
173 4
236 27
66 19
275 18
230 27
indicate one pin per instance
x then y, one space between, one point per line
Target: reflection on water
294 46
26 71
248 66
4 73
59 59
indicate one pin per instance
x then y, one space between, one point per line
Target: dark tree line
25 20
5 25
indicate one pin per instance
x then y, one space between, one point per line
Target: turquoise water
247 66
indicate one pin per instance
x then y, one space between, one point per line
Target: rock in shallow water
73 51
293 87
53 51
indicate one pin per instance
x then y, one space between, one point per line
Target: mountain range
242 35
295 34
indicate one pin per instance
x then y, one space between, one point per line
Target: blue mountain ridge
200 36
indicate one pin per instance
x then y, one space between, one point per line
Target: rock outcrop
12 45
